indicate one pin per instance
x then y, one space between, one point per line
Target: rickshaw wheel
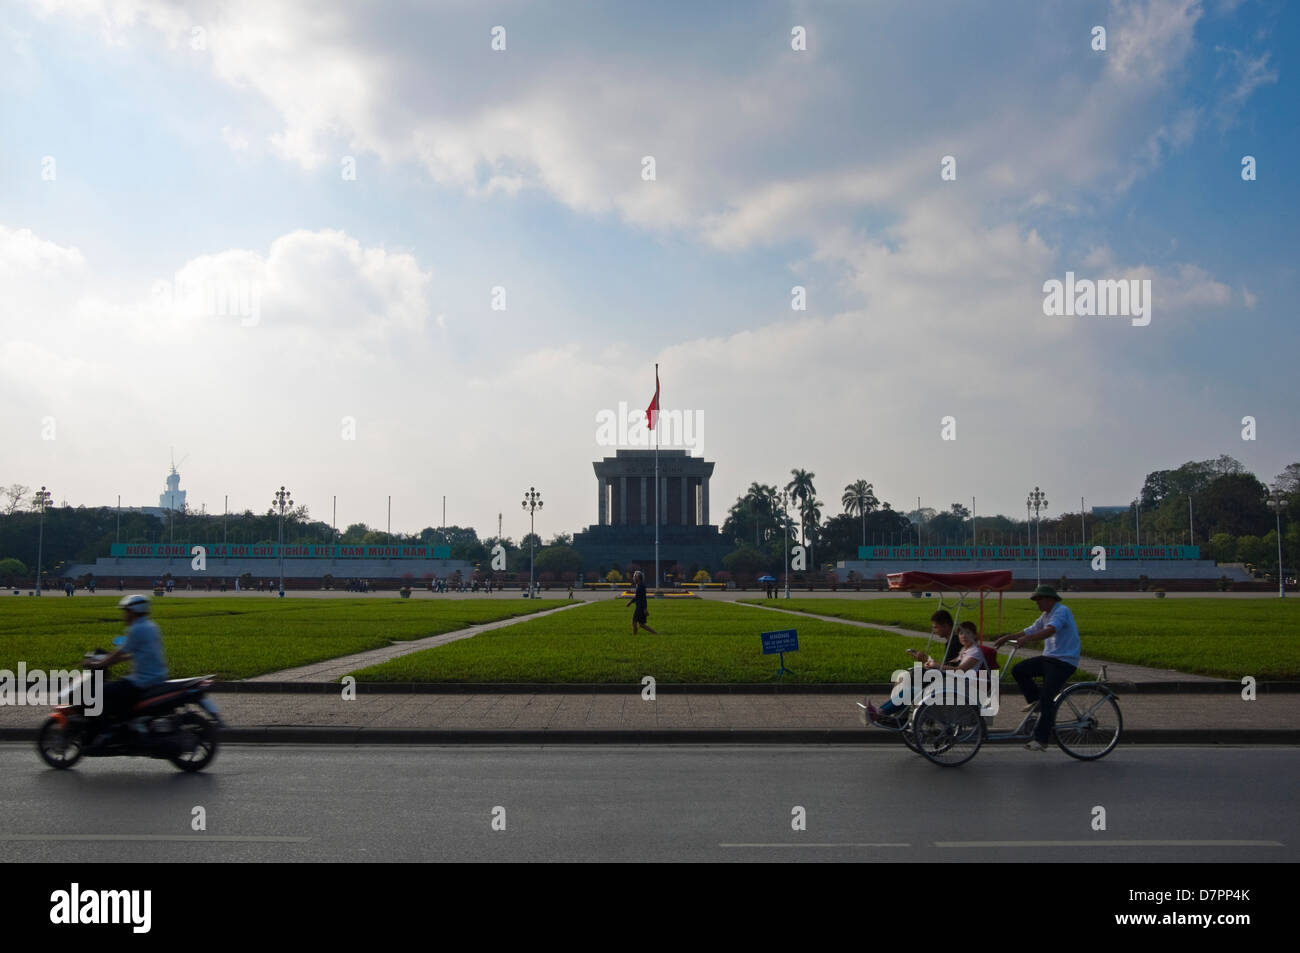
1088 723
909 738
948 735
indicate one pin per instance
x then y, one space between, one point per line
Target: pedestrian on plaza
642 611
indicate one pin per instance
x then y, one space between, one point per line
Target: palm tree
801 488
811 512
762 503
860 497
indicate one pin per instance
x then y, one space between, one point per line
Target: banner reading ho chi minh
273 551
904 553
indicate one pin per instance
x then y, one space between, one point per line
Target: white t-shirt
1064 645
974 652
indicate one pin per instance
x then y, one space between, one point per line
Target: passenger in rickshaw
941 625
970 658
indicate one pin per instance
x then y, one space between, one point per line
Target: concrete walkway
1115 671
333 669
627 716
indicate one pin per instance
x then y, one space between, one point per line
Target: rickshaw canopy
915 580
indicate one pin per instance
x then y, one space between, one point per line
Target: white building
174 497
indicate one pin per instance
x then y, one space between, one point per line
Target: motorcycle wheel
205 735
58 748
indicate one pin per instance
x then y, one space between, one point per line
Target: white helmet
137 604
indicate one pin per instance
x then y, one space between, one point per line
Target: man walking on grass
642 610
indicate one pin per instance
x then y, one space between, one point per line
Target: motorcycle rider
142 646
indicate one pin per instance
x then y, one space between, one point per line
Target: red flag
652 412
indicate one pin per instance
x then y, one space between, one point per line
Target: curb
306 734
1224 687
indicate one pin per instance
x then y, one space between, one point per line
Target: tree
1234 503
745 561
562 539
1224 465
1288 481
753 518
1253 551
13 494
1224 548
354 534
802 489
840 537
811 514
948 527
558 559
859 498
12 569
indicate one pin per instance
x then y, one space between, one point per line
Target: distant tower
174 498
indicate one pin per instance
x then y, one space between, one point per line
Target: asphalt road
652 803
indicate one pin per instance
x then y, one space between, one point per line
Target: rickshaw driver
1058 662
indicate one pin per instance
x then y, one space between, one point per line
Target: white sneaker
1035 745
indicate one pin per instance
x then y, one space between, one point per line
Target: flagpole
656 430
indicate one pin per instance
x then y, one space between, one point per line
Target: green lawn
699 642
237 637
1224 637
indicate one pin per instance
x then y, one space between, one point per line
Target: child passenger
969 659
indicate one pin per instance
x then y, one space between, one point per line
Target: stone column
686 509
622 500
645 514
602 501
704 499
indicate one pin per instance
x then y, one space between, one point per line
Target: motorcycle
173 720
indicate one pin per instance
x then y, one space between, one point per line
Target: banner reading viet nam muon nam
272 551
895 553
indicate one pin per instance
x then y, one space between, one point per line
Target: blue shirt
144 642
1064 645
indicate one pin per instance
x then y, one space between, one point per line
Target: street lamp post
42 500
862 511
1037 499
785 535
1276 503
282 503
532 503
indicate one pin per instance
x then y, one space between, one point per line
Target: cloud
829 159
1247 73
236 140
1150 40
23 253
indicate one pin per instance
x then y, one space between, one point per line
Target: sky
417 250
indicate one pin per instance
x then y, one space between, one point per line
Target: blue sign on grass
783 640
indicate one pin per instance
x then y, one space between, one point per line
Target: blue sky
521 169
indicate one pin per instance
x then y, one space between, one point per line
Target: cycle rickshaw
949 730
